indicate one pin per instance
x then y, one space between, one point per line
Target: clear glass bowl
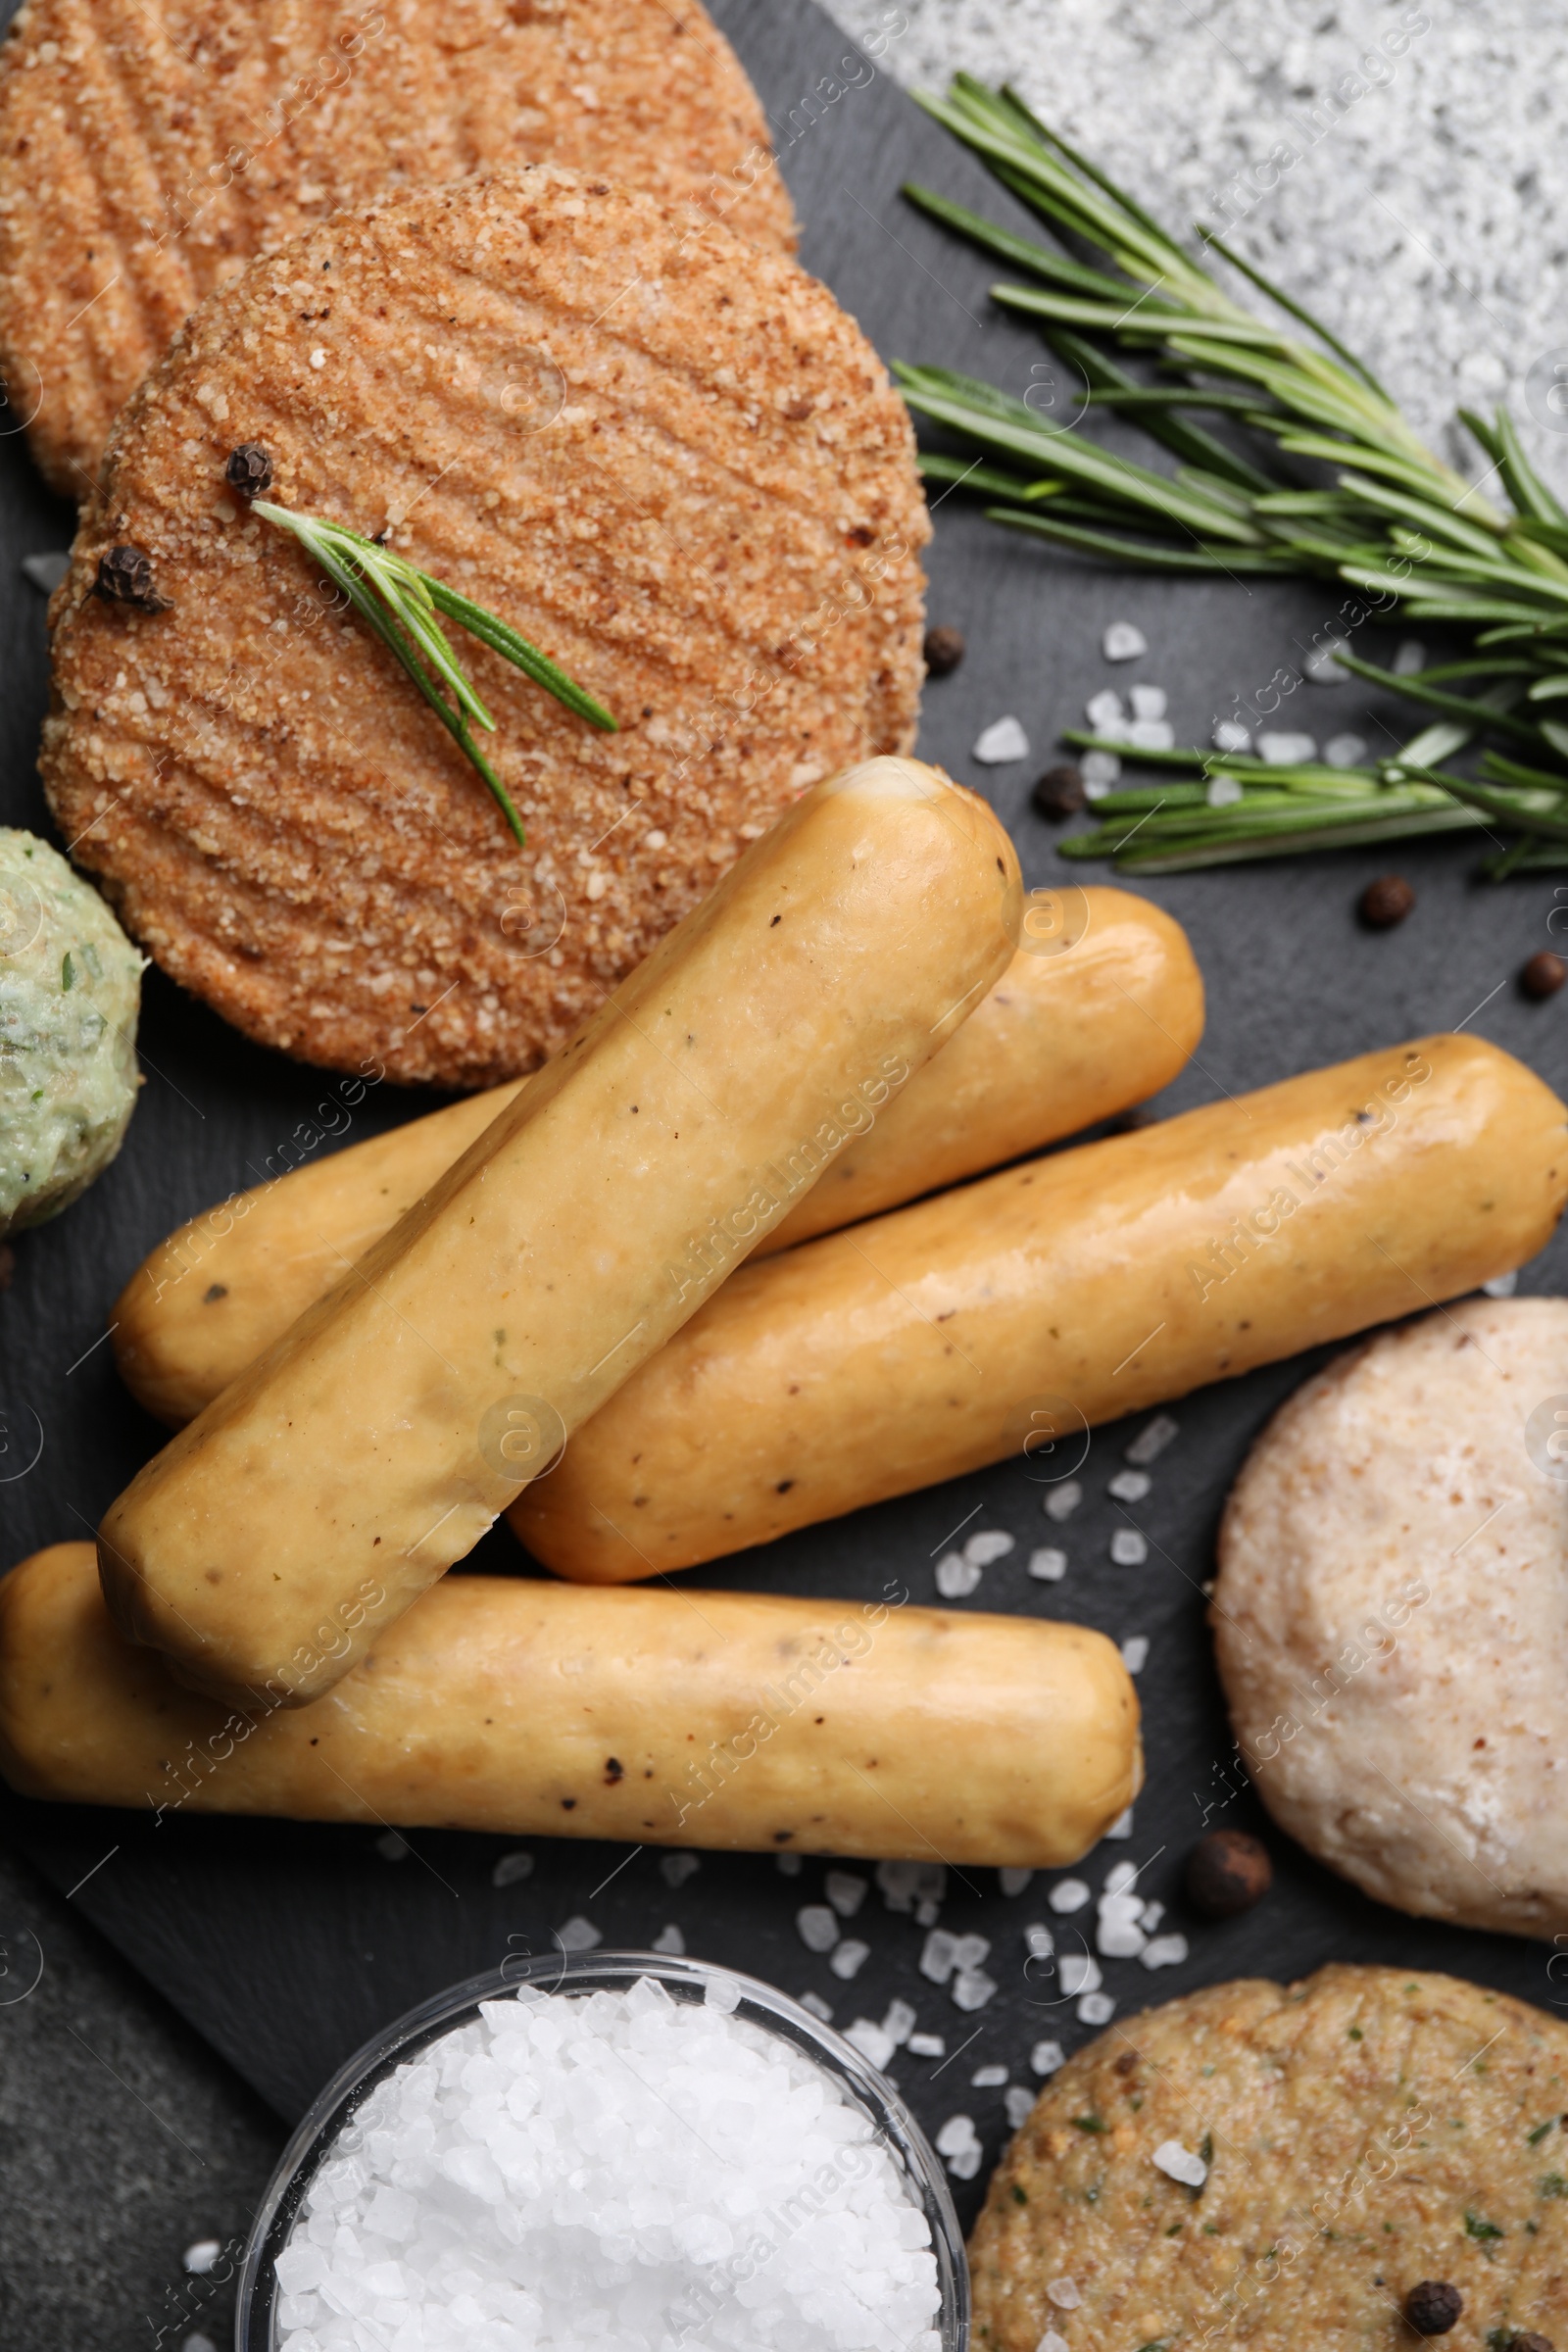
256 2318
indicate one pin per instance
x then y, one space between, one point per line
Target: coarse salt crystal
1285 750
46 572
510 1869
1150 734
956 2132
817 1927
1120 1935
1017 2105
1051 2341
1013 1881
988 2078
677 1868
818 2006
1100 770
1068 1894
1039 1942
1003 740
956 1577
1130 1486
1153 1913
1165 1951
939 1955
898 2023
393 1846
1410 656
1120 1879
972 1988
1135 1652
1147 702
1062 1501
1501 1285
1129 1549
1223 791
788 1866
1151 1441
926 2045
200 2256
849 1958
580 1935
1047 2057
991 1544
1180 2164
1344 750
905 1884
1105 711
844 1891
1231 736
1080 1972
1123 1826
1047 1564
1322 664
872 2040
671 1942
1064 2293
1097 2008
1123 641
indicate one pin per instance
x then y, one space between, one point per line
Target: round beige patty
1362 2131
669 459
148 152
1390 1618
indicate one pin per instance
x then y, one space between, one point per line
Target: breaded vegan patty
147 153
1354 2135
669 459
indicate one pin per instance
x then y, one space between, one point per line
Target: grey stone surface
123 2139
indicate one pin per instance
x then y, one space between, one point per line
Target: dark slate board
288 1946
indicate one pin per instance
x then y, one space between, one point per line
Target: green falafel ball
70 990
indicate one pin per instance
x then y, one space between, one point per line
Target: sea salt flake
898 2023
1064 2293
1129 1549
1501 1285
1151 1441
1410 656
819 2008
1105 712
1180 2164
1123 641
1231 736
1062 1501
1038 1941
1147 702
1223 791
846 1890
1123 1826
1068 1894
939 1955
926 2045
200 2256
1100 770
1047 1564
677 1868
1097 2008
1047 2057
1130 1486
1285 748
927 1913
956 2133
988 2078
46 572
1150 734
788 1866
905 1884
956 1577
1013 1881
1120 1879
1153 1913
1019 2105
511 1869
1003 740
849 1958
817 1927
1322 664
984 1550
1344 750
580 1935
1051 2341
1165 1951
1135 1652
670 1941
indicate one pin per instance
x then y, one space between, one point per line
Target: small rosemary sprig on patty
399 603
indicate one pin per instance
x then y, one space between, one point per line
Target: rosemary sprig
399 603
1391 519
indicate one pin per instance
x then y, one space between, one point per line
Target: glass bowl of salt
609 2149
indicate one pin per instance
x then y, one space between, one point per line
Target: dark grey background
121 2135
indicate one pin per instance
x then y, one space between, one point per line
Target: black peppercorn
944 651
1386 902
125 577
1543 975
1433 2307
249 469
1059 793
1228 1872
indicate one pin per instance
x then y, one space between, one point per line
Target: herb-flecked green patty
70 989
1354 2135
